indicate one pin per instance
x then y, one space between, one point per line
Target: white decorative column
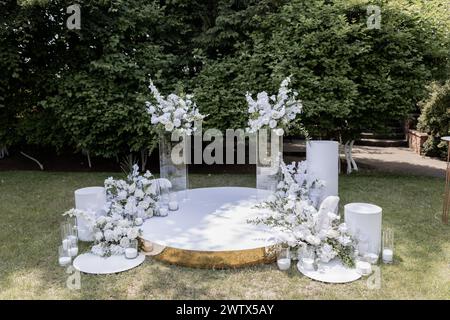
322 158
93 201
364 224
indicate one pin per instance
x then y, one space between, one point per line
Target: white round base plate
93 264
333 272
212 219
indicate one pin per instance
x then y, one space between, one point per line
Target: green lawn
31 204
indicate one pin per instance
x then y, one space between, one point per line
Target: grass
31 204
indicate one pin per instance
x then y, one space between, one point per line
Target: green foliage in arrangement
84 89
435 119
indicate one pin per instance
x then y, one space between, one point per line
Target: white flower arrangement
129 203
133 198
173 113
112 235
274 112
298 223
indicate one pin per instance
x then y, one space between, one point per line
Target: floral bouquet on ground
299 224
129 203
273 112
112 234
174 113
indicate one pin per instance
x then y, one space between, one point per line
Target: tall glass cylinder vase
173 162
269 154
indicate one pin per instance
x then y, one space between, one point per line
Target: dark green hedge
85 89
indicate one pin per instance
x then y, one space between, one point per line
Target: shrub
435 119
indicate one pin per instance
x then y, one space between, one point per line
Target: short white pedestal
364 223
93 264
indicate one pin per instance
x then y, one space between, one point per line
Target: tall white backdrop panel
92 200
322 158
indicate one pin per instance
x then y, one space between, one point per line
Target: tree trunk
3 152
31 158
89 159
144 157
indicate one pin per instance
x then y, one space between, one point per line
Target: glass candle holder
306 258
131 252
64 258
73 246
65 234
284 259
72 222
388 246
173 201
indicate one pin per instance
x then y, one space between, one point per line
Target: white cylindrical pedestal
91 199
322 158
364 224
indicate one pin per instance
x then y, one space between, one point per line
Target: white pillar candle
64 261
173 205
308 264
388 255
73 251
284 264
163 211
131 253
66 244
364 268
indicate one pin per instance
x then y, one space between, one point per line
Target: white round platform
334 272
212 219
91 263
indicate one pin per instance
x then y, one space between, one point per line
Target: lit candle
308 264
64 261
73 251
163 212
173 205
364 268
284 264
388 255
131 253
66 244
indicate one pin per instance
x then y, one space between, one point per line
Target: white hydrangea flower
98 236
139 194
274 110
98 250
133 233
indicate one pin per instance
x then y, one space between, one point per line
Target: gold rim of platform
211 259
